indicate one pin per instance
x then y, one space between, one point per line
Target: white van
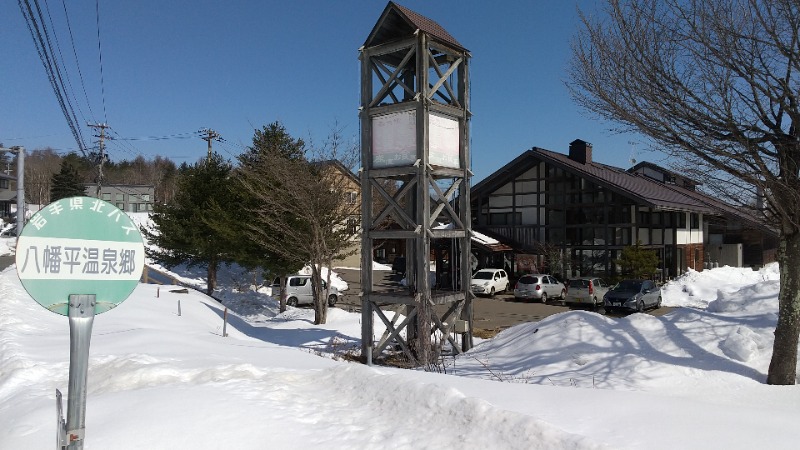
298 291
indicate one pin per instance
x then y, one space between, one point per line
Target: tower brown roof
398 21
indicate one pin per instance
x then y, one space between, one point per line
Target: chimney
580 151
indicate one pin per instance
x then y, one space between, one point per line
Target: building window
3 184
107 196
145 197
121 206
505 218
352 197
695 218
120 197
352 225
142 207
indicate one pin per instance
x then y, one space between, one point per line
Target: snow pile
7 245
698 289
576 380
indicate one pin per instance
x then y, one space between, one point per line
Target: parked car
586 291
633 295
489 282
539 287
298 291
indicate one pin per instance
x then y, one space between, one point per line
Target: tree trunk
783 366
211 283
320 303
282 301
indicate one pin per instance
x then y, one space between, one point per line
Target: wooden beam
443 79
394 234
442 202
377 71
403 172
447 297
379 66
382 92
395 334
445 234
390 47
392 204
445 203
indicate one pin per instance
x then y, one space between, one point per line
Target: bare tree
303 208
40 166
714 83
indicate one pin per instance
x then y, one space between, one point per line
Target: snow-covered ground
692 379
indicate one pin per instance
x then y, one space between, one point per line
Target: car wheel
658 303
291 301
544 297
595 306
332 300
640 306
563 294
491 292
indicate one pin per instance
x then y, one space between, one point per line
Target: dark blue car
633 295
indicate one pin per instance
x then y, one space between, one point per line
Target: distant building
8 195
127 197
544 202
350 186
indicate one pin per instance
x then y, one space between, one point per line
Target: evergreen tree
298 208
638 262
181 233
233 221
66 183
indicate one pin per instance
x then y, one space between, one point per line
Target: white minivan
298 291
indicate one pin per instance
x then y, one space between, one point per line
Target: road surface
494 314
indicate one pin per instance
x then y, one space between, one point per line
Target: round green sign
80 245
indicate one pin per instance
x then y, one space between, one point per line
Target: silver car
539 287
633 295
586 291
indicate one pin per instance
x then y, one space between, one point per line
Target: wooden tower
415 185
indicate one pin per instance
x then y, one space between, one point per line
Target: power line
77 62
63 64
192 135
100 52
225 144
41 40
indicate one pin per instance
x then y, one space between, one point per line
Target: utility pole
101 159
20 152
210 135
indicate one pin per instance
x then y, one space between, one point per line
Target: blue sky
170 68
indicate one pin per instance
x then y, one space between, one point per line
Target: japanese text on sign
55 258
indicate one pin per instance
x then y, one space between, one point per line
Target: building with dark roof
8 195
544 202
127 197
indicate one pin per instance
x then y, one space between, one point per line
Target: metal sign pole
97 227
81 317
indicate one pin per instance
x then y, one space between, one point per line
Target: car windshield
629 285
483 275
527 279
579 284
